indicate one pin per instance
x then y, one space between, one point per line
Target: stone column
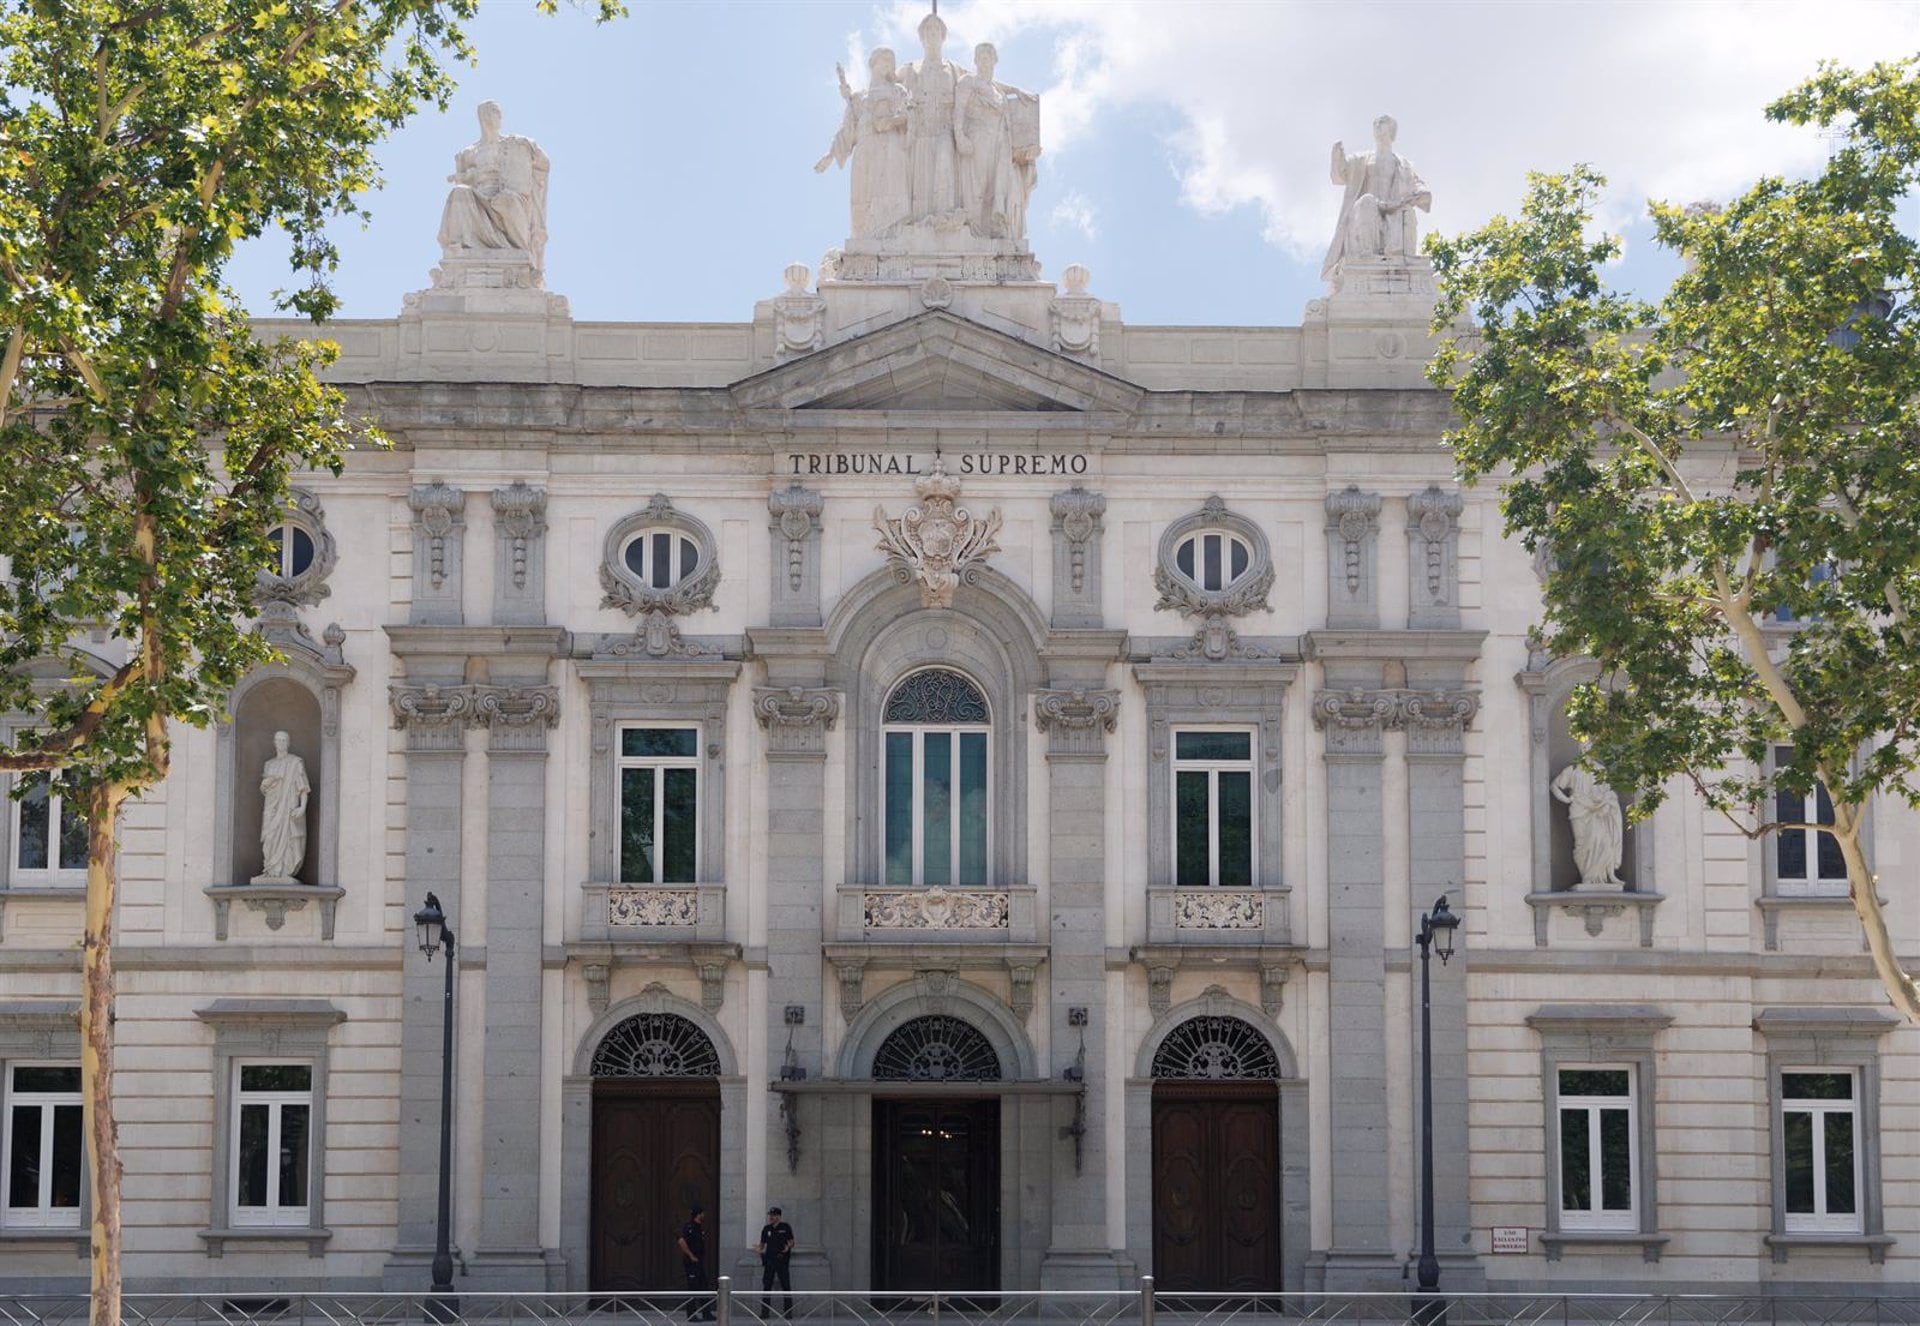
796 720
1360 1255
1436 722
517 719
1076 720
435 719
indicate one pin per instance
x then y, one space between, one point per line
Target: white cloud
1075 211
1664 98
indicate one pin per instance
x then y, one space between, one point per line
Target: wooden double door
656 1153
1216 1186
936 1210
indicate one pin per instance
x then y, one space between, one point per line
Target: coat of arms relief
936 542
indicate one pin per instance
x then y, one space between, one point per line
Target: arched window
936 1049
1215 1047
292 551
935 729
656 1045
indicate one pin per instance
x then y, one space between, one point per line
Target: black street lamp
1436 936
434 930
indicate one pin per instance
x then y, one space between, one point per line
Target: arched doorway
1216 1158
936 1164
656 1149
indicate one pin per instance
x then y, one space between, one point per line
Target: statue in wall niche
997 173
499 196
873 135
283 814
1376 211
1599 829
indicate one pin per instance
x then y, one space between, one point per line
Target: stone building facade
965 769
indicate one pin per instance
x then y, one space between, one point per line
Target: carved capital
1354 709
853 978
517 717
1159 989
1077 718
596 975
713 983
1020 995
433 717
796 718
1433 719
1273 987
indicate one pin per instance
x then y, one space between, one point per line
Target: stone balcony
937 915
649 913
1217 916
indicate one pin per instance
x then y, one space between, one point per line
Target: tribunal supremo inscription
967 462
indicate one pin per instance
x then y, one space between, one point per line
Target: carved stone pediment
936 361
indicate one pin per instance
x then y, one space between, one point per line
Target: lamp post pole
445 1307
1436 934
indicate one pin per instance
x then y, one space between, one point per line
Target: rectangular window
42 1147
1820 1118
659 805
936 812
49 836
1805 861
1599 1148
1213 808
273 1144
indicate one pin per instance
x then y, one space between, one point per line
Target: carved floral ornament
935 541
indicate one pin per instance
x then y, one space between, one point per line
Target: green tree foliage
1743 452
146 437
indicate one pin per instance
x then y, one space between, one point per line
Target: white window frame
1812 884
1228 538
1213 768
52 875
283 569
1596 1217
41 1215
917 817
275 1214
657 764
1820 1220
643 575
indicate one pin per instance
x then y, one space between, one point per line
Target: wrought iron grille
936 696
656 1045
936 1049
1215 1047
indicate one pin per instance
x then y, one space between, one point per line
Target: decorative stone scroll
936 542
1078 520
1219 909
433 717
439 538
796 718
1353 719
794 514
517 717
937 909
1433 559
1353 528
519 563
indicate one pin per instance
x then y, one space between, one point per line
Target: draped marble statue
932 85
873 135
1599 829
283 814
1382 189
997 152
499 196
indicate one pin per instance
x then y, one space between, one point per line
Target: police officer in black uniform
776 1256
693 1260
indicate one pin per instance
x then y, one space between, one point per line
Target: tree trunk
96 1051
1863 888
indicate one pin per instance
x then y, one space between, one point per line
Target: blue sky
1186 140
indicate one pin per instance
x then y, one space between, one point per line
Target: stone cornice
466 641
1420 646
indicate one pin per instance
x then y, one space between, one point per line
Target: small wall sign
1509 1238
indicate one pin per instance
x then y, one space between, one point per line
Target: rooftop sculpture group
936 148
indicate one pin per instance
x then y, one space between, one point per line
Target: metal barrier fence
732 1305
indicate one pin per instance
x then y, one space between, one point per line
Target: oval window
1213 560
661 559
293 551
